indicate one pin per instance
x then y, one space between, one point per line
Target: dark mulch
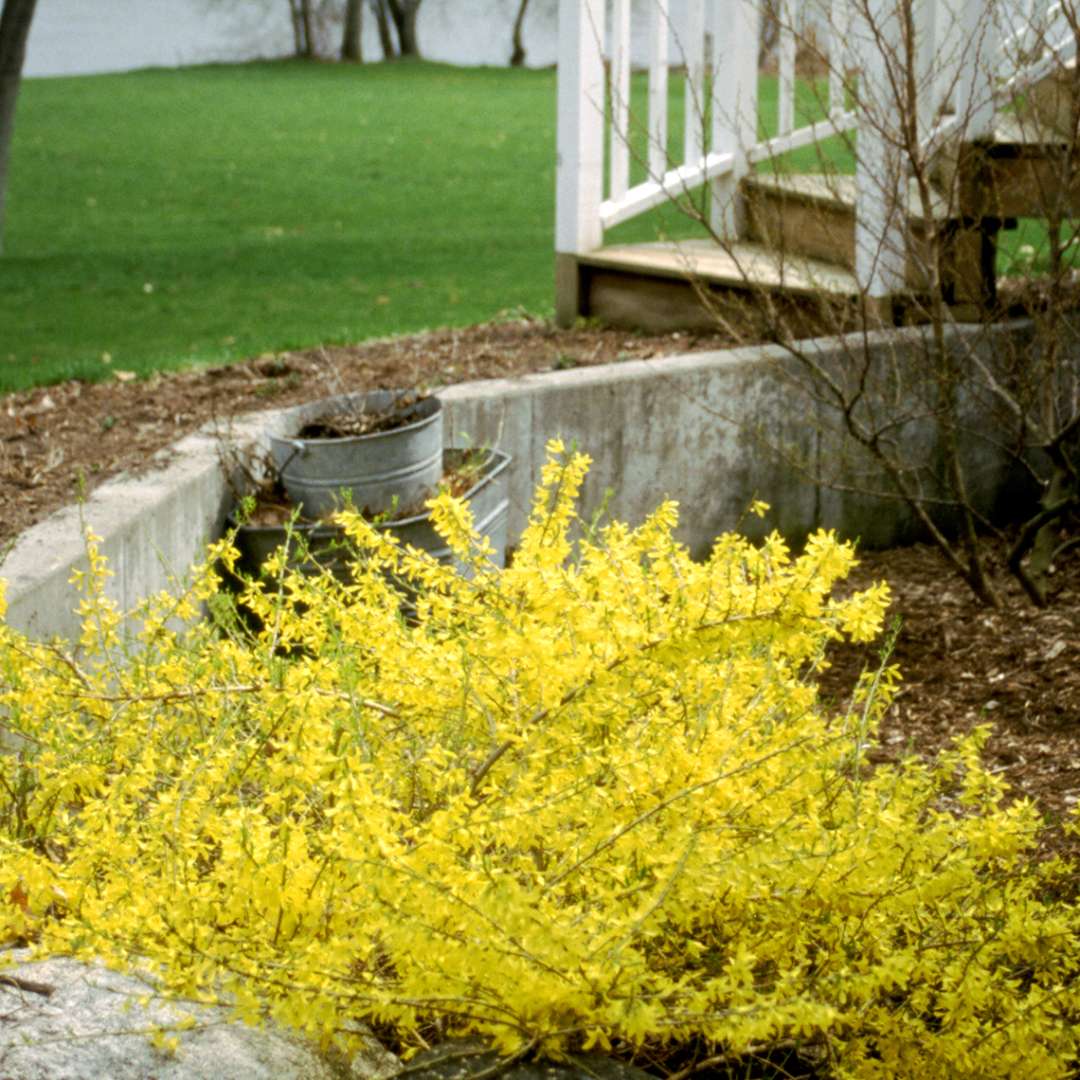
1017 668
58 440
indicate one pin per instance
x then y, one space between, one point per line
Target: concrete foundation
695 428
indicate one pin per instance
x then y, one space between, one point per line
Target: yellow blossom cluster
592 800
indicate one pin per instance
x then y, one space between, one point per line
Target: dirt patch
59 440
1018 668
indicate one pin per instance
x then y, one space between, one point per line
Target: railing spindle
928 64
785 120
880 252
694 97
977 76
658 88
838 32
619 149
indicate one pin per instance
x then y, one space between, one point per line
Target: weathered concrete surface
150 527
655 429
65 1020
694 428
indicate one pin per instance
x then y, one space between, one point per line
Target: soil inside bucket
403 411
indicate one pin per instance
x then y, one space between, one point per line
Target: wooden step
809 215
1052 101
814 215
697 284
741 264
1023 170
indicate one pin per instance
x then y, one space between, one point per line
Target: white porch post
736 33
880 177
579 145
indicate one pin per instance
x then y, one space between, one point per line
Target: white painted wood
580 135
975 86
658 88
785 119
1062 52
736 33
805 136
674 184
1020 33
693 48
879 177
619 147
839 18
945 23
927 52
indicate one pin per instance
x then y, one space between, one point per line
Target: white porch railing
968 56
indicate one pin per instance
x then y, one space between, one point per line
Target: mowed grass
161 218
165 218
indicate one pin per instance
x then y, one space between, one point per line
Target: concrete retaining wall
677 427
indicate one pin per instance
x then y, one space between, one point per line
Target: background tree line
321 29
316 23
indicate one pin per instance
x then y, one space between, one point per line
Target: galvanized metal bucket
488 499
323 547
375 473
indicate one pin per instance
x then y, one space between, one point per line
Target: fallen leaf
1055 650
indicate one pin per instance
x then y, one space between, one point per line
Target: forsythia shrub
588 801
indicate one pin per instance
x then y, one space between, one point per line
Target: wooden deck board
741 265
1024 134
838 192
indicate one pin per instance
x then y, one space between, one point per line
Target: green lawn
162 218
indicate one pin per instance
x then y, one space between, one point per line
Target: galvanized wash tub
325 545
376 472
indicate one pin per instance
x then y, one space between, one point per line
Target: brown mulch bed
1017 668
56 441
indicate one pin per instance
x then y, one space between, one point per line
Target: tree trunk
404 13
309 34
351 33
382 21
297 28
14 30
517 56
303 38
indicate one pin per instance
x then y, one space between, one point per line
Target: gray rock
61 1019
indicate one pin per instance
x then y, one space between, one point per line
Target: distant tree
386 35
303 28
315 23
517 53
352 27
404 14
15 22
